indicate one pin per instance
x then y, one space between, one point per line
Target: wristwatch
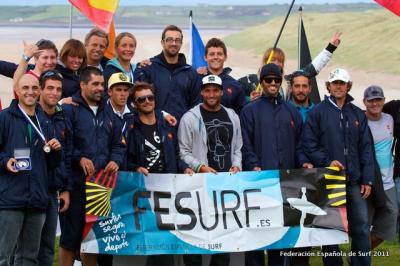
26 58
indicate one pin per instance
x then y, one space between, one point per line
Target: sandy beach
148 45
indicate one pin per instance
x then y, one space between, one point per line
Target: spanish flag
392 5
99 12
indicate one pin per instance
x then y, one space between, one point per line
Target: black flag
305 59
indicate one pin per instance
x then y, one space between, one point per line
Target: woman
71 61
125 46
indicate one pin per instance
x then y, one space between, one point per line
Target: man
300 86
96 145
152 147
271 131
27 151
96 43
336 134
216 55
384 219
210 141
393 108
176 84
50 93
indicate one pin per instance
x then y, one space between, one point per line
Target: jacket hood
160 58
331 100
115 63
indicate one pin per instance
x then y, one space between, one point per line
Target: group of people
77 113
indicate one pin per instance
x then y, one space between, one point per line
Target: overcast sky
185 2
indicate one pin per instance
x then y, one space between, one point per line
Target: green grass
370 39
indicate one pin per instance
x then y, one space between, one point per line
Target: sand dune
241 62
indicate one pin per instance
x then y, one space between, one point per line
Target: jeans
47 241
357 216
397 186
160 260
221 259
20 229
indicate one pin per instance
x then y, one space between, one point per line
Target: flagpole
280 32
271 54
70 21
190 57
299 36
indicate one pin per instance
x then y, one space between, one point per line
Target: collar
309 105
99 66
118 113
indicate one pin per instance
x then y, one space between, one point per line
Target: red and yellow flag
392 5
99 12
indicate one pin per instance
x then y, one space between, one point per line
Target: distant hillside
205 16
370 39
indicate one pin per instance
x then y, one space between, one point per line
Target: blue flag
197 49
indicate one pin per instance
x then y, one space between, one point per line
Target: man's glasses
270 79
142 99
172 40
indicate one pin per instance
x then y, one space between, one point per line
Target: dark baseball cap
373 92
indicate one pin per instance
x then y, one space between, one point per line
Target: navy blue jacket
25 189
70 82
234 96
271 131
137 154
176 91
94 136
60 177
332 133
8 68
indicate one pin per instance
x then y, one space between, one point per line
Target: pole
70 21
271 54
299 36
280 32
190 59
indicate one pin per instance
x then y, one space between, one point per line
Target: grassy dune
370 39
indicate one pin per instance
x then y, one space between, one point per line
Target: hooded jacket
113 66
60 177
271 130
94 136
70 83
25 189
192 136
342 134
234 96
177 87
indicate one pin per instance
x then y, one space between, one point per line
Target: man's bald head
27 79
28 90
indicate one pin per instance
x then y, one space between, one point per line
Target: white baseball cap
339 74
211 79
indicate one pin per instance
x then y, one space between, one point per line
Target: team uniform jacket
271 130
176 91
25 189
94 136
136 142
332 133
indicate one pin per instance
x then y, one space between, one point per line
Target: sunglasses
270 79
142 99
51 74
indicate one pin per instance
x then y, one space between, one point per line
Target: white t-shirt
382 132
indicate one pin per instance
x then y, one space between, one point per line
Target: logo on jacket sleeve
229 91
170 136
356 123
